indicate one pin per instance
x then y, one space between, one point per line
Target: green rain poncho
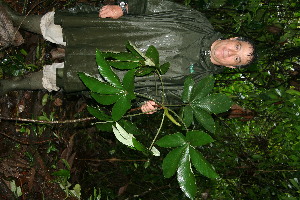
180 34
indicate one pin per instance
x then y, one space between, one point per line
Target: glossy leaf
105 99
205 119
99 114
164 68
202 88
106 72
138 146
171 118
198 138
185 176
155 151
134 51
214 103
96 85
173 140
201 164
188 118
121 56
153 54
129 127
124 65
120 107
128 81
187 89
171 161
122 135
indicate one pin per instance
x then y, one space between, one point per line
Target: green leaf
120 107
121 56
198 138
135 52
129 127
62 173
43 118
188 115
138 146
153 54
106 71
24 52
171 161
105 99
122 135
293 92
171 118
45 99
205 119
155 151
202 88
201 164
185 175
105 126
173 140
77 191
214 103
99 114
124 65
164 68
187 89
128 81
97 86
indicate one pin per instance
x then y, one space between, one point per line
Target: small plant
15 189
62 177
197 102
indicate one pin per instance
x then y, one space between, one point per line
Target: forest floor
30 152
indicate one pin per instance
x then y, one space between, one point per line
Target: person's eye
237 46
237 59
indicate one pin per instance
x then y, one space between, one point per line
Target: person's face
231 52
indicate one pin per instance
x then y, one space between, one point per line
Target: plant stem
186 128
47 122
162 121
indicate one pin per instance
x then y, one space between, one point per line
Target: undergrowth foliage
197 103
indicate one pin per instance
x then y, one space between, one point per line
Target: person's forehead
246 52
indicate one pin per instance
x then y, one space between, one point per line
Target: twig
162 121
47 122
112 160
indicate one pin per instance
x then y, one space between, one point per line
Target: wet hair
253 54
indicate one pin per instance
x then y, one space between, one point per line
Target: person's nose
232 52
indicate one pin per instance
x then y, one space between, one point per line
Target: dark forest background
257 142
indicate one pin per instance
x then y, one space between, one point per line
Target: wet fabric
50 76
180 34
50 31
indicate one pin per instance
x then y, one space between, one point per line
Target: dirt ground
30 151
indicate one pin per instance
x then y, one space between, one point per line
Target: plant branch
162 121
180 119
47 122
113 160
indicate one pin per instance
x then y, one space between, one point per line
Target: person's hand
111 11
149 107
